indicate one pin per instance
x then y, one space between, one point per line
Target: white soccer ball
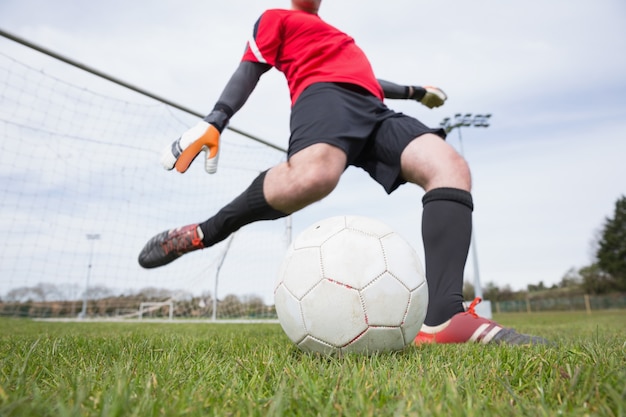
351 284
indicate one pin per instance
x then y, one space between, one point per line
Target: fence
584 302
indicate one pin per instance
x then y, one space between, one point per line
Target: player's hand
204 136
434 97
182 152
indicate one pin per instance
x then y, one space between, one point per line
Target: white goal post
148 306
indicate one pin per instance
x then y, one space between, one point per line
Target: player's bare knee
431 163
451 172
319 181
459 165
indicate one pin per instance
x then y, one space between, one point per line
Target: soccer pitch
199 369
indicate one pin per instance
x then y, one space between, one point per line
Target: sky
546 172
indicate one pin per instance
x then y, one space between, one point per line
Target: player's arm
429 96
205 135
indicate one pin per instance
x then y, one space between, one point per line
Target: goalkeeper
338 119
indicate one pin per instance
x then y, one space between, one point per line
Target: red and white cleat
169 245
470 327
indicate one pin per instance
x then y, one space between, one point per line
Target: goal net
82 190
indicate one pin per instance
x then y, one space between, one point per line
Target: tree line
46 300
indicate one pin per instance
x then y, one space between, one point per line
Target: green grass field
193 369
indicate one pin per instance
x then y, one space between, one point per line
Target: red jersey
308 50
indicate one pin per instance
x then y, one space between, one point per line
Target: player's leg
446 231
435 165
308 176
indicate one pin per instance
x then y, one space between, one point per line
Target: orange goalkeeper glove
204 136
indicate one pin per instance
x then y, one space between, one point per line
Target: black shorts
372 135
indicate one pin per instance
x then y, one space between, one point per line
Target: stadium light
457 122
91 237
465 120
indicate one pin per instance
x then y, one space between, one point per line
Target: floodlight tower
91 238
449 124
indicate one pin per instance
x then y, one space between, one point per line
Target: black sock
248 207
446 232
